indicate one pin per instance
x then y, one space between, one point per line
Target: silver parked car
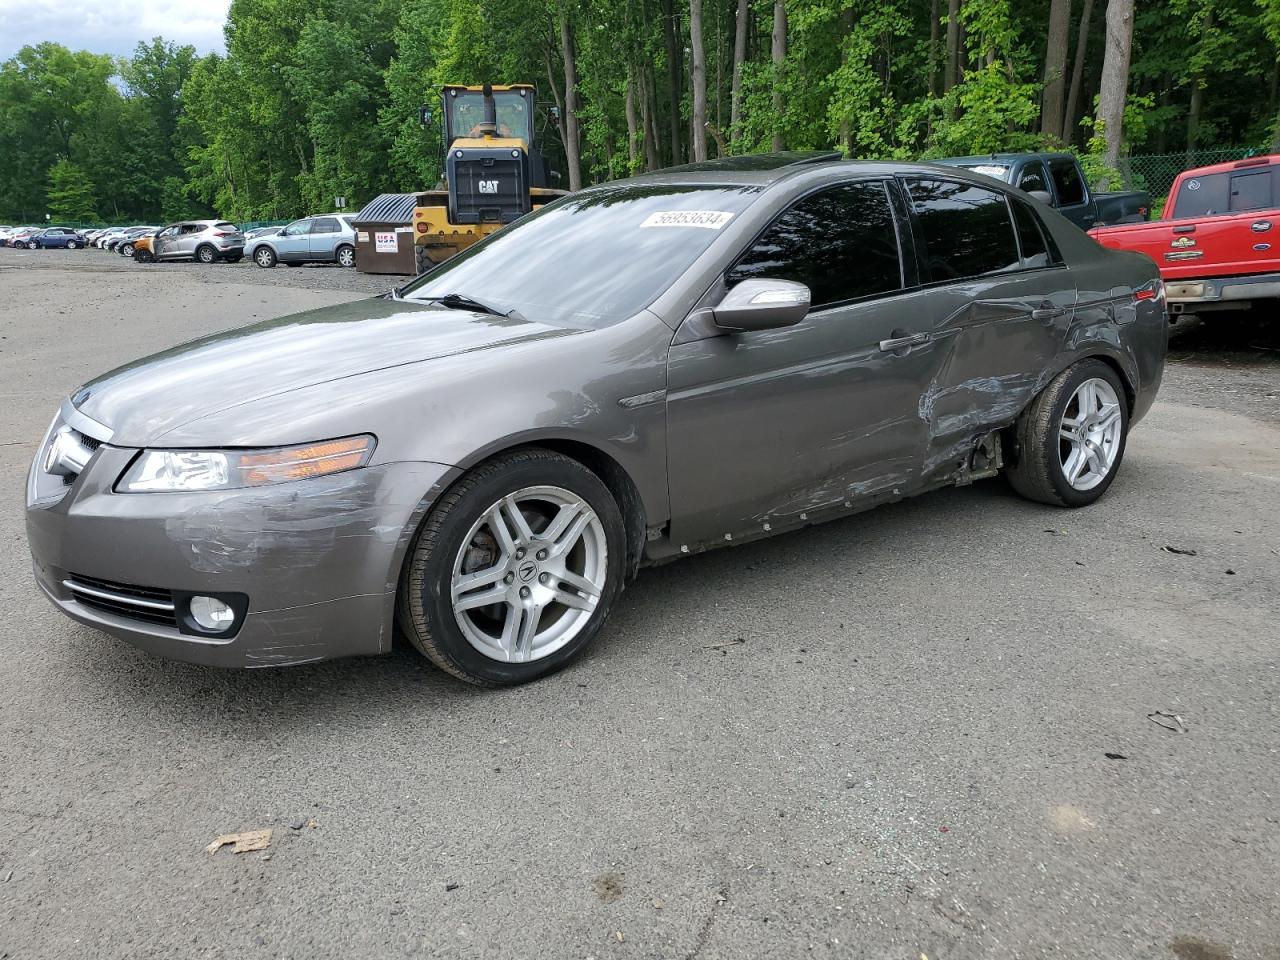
201 240
636 372
329 238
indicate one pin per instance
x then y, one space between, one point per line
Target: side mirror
762 305
1042 195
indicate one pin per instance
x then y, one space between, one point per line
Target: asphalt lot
920 732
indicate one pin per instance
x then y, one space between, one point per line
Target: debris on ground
726 644
245 842
1167 548
450 887
1115 756
1162 718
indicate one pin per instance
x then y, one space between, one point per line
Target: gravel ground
920 732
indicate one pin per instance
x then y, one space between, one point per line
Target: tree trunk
1197 98
674 68
844 138
779 54
952 75
739 58
935 31
1055 66
698 62
572 160
1115 78
652 141
633 124
1069 117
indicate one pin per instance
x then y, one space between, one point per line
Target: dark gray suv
636 372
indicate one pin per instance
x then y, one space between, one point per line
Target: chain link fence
1155 172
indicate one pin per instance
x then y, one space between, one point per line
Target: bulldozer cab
464 114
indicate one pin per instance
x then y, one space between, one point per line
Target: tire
143 256
206 253
346 255
72 245
1051 437
126 250
456 538
264 257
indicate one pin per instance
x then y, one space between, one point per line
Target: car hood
148 398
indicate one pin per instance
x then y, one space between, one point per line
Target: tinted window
227 226
966 230
840 243
1251 191
1200 196
1032 237
1032 178
1066 177
297 228
594 257
325 225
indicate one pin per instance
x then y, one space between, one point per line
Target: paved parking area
924 731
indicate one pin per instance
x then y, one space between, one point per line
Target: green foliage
71 194
319 98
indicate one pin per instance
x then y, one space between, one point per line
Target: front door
768 429
294 243
165 244
1070 194
1000 300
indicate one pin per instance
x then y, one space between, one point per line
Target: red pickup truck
1218 244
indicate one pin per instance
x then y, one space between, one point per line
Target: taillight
1152 291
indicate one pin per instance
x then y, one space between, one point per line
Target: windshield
593 258
466 112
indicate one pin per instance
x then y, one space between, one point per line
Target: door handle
904 343
1047 313
1261 226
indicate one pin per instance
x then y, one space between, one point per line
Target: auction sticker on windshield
708 219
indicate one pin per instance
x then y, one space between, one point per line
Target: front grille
149 604
487 186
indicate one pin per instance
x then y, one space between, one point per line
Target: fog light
211 614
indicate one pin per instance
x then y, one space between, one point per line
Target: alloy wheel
1089 435
529 574
346 256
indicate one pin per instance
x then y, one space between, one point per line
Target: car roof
1257 163
730 176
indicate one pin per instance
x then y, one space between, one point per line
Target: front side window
592 258
966 230
840 242
1067 181
297 228
1251 191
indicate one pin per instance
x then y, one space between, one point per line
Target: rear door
1000 303
772 428
188 238
325 233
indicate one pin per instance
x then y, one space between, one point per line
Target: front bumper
318 559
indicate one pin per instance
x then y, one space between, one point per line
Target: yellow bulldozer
494 172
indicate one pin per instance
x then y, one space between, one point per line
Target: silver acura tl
641 370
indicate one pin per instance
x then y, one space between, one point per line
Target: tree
1055 63
698 59
71 194
778 52
1069 115
1115 78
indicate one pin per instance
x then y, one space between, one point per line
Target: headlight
160 471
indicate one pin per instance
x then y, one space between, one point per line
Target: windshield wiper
460 301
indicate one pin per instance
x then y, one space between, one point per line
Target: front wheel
264 257
514 570
1071 439
206 254
72 245
126 250
346 256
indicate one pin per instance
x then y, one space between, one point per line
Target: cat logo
488 186
1181 243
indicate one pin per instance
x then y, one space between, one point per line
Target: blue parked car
63 237
328 238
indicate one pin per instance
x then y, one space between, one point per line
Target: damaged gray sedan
642 370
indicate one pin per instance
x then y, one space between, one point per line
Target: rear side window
1201 196
1038 249
226 226
1251 191
1066 179
324 225
966 230
840 242
1032 178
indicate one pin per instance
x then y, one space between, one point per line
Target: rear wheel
264 257
1071 440
346 256
514 570
206 253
